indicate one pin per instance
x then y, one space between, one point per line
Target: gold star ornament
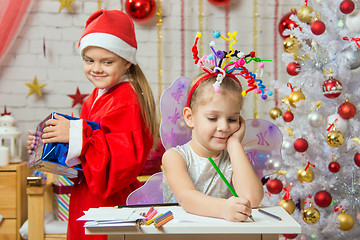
66 4
35 87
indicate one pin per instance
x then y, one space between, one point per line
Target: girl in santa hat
122 103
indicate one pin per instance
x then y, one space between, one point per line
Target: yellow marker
148 222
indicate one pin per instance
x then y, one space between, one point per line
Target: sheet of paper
113 217
110 224
181 216
110 214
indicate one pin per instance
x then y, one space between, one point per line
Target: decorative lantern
10 137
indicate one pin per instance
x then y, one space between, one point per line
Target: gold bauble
296 96
288 205
311 215
275 113
304 14
345 221
335 139
285 100
291 45
305 176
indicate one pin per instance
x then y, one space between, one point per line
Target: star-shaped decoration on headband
5 112
35 87
78 97
66 4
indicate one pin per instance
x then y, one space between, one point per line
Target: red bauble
274 186
318 27
287 23
140 10
301 145
219 2
332 88
357 159
293 68
347 110
347 6
334 167
290 236
323 199
288 116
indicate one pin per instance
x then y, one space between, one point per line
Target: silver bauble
288 147
273 164
315 119
353 56
352 21
341 124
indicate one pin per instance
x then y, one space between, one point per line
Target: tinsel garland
255 39
182 30
159 46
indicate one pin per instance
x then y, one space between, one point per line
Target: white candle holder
10 137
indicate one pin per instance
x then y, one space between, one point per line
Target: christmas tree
319 179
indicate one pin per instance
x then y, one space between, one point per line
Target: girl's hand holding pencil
236 209
234 205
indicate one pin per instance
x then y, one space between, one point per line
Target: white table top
263 224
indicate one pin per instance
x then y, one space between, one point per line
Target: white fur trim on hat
111 43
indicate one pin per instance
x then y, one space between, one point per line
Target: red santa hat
112 30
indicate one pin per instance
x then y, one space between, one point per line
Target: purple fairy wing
262 144
149 193
173 129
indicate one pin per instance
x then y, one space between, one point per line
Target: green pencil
226 181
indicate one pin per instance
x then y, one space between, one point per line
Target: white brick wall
61 69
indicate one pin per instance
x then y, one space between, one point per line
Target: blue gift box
50 157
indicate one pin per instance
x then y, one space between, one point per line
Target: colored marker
158 219
165 220
151 215
150 211
152 220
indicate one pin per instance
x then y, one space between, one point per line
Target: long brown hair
146 99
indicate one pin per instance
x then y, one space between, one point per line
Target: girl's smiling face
102 67
213 122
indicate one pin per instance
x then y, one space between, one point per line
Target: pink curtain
12 16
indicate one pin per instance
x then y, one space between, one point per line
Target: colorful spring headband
225 64
219 78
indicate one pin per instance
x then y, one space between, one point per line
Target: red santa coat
111 157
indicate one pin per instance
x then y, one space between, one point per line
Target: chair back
150 193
